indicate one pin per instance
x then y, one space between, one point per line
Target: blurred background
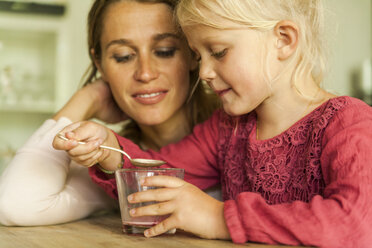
43 56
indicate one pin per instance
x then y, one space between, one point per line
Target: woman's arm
92 101
40 186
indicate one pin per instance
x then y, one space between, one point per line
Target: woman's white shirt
42 186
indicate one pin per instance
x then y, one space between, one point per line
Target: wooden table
99 231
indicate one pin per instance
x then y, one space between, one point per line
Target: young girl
293 160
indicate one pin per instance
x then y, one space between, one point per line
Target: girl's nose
146 70
206 71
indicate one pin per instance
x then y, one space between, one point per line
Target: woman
148 73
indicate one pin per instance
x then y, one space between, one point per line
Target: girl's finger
70 127
84 132
162 194
85 149
162 208
90 161
163 181
164 226
84 157
60 144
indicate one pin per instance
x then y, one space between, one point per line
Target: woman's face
145 61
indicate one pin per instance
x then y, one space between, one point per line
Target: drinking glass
128 182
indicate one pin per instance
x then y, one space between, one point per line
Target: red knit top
310 185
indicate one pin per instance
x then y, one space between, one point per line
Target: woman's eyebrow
156 37
163 36
118 42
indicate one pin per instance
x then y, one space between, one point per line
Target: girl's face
232 64
145 61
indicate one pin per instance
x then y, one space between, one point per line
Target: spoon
140 162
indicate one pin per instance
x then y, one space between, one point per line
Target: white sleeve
41 186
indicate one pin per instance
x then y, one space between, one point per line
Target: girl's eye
219 54
123 59
165 53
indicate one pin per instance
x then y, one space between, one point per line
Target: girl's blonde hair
263 15
201 104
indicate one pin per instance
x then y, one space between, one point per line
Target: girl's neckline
253 134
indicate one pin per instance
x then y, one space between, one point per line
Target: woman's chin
149 120
157 116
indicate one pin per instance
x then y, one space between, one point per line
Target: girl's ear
97 63
286 33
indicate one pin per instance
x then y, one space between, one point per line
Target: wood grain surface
102 231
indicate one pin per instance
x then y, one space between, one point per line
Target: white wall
350 41
16 127
77 60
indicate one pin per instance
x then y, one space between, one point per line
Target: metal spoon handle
101 146
116 150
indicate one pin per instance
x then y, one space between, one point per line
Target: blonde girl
293 160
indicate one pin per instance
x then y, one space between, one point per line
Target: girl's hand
88 154
190 208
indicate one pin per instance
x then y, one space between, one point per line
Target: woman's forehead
133 13
131 18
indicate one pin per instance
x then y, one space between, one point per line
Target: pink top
309 185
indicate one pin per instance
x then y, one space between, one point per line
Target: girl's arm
196 153
41 186
340 218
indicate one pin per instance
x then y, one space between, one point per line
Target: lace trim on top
282 169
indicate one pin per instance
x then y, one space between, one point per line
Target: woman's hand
190 208
106 108
88 154
92 101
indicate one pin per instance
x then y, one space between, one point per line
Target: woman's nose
206 71
146 70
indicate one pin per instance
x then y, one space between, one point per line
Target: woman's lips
150 97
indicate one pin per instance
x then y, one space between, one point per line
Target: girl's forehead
199 30
203 32
206 17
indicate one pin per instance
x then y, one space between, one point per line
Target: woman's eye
219 54
196 55
165 53
123 59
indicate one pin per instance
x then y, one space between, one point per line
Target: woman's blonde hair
200 105
263 15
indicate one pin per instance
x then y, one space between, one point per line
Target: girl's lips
222 92
149 98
